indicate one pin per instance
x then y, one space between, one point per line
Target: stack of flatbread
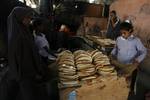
107 70
100 40
99 59
67 71
92 37
105 41
102 63
83 62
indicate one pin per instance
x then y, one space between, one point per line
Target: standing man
113 27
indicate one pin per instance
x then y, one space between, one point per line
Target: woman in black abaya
26 71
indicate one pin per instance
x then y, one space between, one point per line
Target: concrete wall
138 11
92 21
101 22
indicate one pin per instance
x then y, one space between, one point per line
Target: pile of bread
106 41
102 63
83 65
100 40
67 70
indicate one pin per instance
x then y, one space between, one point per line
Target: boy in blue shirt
127 54
129 50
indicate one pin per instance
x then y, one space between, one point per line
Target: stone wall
138 11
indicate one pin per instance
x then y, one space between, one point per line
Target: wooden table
108 88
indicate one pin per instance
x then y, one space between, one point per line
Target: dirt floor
108 88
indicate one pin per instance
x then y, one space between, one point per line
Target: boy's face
125 34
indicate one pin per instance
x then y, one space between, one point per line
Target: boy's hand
136 63
129 69
117 64
112 57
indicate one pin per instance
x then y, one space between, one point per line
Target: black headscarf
15 20
23 58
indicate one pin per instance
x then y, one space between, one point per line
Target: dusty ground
100 89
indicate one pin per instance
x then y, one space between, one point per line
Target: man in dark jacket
113 29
